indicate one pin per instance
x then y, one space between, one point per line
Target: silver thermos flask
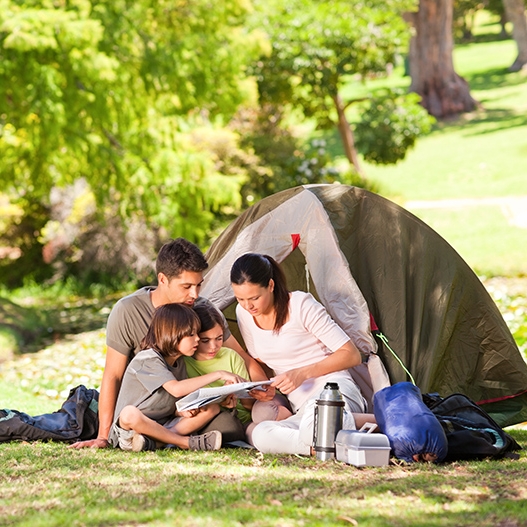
329 412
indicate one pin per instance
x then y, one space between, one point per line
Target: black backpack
471 432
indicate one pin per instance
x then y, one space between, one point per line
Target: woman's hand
264 393
290 380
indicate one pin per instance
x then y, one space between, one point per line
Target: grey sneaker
141 442
208 441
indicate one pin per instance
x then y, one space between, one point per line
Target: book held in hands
205 396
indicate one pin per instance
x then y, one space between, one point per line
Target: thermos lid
330 395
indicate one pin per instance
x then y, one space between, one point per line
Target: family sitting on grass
165 342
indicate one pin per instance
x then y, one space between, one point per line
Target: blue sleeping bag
413 430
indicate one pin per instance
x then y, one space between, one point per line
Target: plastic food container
362 448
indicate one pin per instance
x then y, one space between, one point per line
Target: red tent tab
295 238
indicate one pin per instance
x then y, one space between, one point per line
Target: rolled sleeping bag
411 427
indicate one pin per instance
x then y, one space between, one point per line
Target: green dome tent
365 258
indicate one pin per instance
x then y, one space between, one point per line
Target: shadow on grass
32 328
482 122
493 79
480 39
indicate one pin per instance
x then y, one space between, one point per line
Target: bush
390 126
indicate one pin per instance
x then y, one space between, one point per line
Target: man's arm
111 383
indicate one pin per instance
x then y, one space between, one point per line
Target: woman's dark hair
209 317
259 269
170 323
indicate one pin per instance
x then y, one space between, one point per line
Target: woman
294 335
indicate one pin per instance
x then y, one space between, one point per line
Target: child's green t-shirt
227 360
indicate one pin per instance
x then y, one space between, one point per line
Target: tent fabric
360 254
278 233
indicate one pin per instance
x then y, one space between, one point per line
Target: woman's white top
309 336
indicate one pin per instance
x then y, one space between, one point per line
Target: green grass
46 484
50 485
486 241
476 155
17 396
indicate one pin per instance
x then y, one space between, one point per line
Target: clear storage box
361 448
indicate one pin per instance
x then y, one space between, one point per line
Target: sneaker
208 441
141 442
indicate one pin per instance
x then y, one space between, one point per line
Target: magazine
205 396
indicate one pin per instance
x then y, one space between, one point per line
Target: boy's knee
129 416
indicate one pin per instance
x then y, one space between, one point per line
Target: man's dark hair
179 255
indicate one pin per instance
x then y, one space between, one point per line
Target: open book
206 396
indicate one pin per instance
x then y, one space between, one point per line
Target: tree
109 91
515 13
318 47
442 90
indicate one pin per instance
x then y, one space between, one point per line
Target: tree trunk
443 91
346 135
515 12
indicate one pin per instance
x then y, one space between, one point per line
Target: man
179 268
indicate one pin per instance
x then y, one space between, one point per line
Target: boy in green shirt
211 356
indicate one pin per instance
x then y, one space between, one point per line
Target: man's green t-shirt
227 360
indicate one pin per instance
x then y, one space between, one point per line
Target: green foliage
108 91
317 45
390 126
19 233
281 159
464 15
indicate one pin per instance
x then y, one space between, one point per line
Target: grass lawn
50 485
47 484
476 155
